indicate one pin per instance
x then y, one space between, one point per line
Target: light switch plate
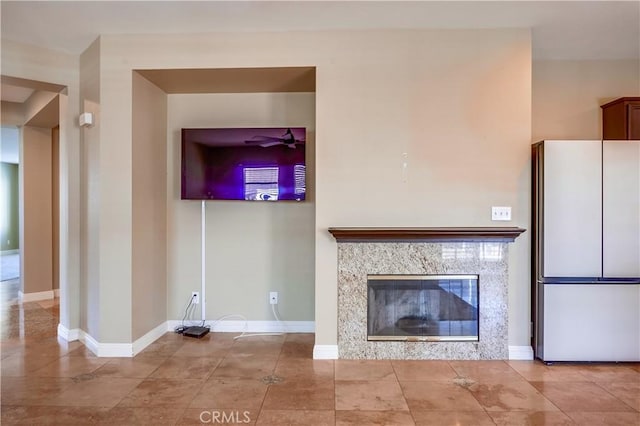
500 213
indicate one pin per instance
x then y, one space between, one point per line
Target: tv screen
254 164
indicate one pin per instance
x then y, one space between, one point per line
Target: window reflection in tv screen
253 164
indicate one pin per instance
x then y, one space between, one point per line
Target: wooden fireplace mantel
502 234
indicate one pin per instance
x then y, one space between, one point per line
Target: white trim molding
36 296
69 335
117 350
56 292
524 353
251 326
123 350
150 337
127 350
325 352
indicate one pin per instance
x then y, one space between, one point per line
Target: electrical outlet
195 297
500 213
273 297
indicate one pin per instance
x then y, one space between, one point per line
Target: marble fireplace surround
481 251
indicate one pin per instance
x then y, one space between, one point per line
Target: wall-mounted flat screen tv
256 164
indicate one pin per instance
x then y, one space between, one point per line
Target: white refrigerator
586 250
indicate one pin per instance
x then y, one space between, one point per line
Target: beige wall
89 190
55 206
149 251
458 102
251 248
11 113
38 64
36 108
567 95
35 207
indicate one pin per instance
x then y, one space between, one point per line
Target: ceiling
560 30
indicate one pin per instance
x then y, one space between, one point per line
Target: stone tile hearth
488 260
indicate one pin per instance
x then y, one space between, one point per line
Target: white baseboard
127 350
153 335
56 292
116 350
251 326
325 352
36 296
111 349
69 335
524 353
89 342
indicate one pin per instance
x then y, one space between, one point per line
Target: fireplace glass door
422 307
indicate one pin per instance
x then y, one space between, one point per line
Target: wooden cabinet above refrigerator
621 119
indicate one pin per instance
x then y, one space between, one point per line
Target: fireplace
418 264
417 308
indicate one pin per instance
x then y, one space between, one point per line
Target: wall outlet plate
195 297
273 297
500 213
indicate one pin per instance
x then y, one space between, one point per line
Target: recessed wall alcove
251 248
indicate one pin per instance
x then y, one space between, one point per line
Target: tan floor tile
535 371
296 417
423 370
161 348
161 392
627 392
260 339
309 338
438 396
290 369
249 366
138 367
33 390
364 370
527 418
142 416
23 365
297 350
374 418
98 392
186 368
580 396
200 416
49 303
39 415
605 418
82 351
70 367
610 373
451 418
114 392
370 395
228 393
261 347
301 395
511 395
53 346
203 349
484 370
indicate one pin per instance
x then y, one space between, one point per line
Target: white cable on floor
264 334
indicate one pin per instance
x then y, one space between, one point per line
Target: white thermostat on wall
86 119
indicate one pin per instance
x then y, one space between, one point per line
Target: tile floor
274 381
